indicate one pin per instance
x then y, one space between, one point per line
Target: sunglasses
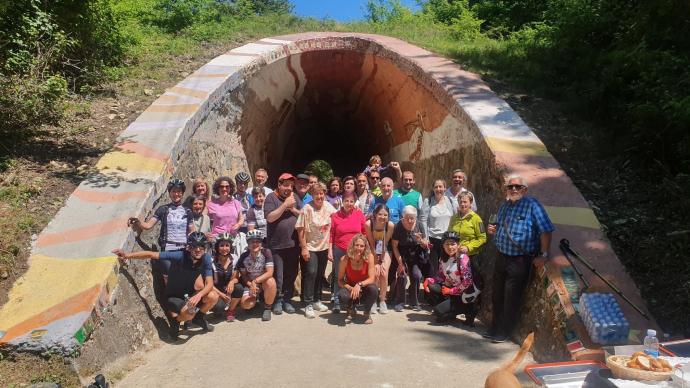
224 186
375 178
515 187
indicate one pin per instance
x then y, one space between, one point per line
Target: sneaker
489 334
288 308
498 338
309 312
230 315
399 307
267 315
320 307
278 308
383 309
373 309
174 330
200 320
336 307
416 308
367 319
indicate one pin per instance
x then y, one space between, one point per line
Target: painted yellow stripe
186 108
517 146
50 281
575 216
188 92
127 161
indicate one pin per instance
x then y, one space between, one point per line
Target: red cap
285 176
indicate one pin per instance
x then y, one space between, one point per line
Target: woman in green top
469 226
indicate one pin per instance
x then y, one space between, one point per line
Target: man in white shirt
260 179
459 180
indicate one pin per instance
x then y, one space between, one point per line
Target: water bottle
191 309
651 344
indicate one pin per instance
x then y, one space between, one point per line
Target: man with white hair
458 182
521 233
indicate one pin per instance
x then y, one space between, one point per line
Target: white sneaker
383 309
373 309
309 312
320 307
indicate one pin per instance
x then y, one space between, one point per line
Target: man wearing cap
281 208
302 189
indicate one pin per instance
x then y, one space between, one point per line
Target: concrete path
399 350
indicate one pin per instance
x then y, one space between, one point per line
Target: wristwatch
545 254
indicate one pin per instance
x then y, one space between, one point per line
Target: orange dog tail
520 355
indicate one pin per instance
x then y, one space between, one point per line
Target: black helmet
176 184
242 177
450 235
196 239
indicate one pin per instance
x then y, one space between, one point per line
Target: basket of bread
639 366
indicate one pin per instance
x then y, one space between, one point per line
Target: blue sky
341 10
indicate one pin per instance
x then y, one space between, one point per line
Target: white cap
651 332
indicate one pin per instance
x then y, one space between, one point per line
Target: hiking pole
565 247
577 270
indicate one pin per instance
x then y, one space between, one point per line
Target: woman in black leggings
451 291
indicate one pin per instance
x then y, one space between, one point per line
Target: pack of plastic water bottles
604 318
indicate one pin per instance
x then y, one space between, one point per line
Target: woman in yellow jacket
469 226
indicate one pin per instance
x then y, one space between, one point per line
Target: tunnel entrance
279 103
344 105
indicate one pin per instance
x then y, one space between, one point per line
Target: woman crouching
356 276
254 271
452 292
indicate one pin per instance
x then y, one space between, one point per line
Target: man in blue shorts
189 292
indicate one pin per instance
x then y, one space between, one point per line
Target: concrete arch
263 104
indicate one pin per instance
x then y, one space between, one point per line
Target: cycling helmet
470 294
197 239
225 236
176 184
450 235
242 177
255 234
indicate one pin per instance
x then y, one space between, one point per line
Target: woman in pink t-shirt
346 223
225 211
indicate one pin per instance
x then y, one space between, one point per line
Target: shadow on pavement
335 319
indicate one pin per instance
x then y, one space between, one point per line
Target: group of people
233 245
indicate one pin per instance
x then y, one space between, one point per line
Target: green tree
320 168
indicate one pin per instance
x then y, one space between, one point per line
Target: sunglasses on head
515 187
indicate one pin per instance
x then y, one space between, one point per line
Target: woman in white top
435 218
314 230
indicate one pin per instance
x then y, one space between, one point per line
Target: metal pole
565 247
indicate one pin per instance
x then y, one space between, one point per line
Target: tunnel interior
341 106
